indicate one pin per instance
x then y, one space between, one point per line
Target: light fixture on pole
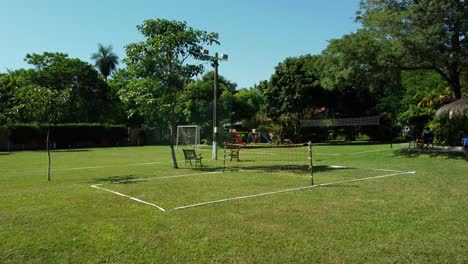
215 60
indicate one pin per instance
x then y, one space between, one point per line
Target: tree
247 104
197 101
90 98
159 68
8 85
293 90
351 67
421 34
44 106
105 60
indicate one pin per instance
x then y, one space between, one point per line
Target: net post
311 164
224 158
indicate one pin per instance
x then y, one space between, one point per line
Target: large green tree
197 101
105 60
161 65
351 67
293 90
45 106
421 34
90 98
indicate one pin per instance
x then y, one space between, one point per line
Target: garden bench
190 155
234 153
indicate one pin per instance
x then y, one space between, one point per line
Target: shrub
450 131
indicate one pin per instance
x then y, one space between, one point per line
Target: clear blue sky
257 34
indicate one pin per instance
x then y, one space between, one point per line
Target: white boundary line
97 186
83 168
129 197
369 151
290 190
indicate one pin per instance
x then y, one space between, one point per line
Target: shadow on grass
429 153
340 186
353 143
124 179
5 153
297 169
70 150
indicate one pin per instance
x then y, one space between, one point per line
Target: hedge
70 135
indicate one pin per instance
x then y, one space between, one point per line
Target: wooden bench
234 153
190 155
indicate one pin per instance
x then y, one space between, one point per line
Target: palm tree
105 60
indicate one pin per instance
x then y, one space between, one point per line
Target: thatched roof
453 109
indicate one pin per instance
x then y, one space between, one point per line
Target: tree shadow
70 150
411 153
296 169
123 179
340 186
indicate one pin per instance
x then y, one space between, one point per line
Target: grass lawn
257 211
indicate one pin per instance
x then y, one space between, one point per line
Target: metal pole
215 89
311 164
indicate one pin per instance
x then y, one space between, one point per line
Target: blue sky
257 34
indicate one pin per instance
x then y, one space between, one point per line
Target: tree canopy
421 34
105 60
159 67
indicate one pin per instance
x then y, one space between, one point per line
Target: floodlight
224 56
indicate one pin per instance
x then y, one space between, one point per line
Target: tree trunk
454 83
48 152
173 155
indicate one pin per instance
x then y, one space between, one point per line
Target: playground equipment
239 140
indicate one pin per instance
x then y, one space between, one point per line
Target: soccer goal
188 136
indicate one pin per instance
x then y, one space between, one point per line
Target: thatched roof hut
453 109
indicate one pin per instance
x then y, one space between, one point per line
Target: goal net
188 136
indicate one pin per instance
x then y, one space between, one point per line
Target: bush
84 135
450 131
69 135
27 134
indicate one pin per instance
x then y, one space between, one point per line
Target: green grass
409 218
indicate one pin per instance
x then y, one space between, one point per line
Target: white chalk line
129 197
370 151
161 177
84 168
289 190
97 186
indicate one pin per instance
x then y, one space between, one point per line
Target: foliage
159 69
27 134
361 85
70 135
425 92
428 34
293 90
8 84
90 99
105 60
40 104
450 131
246 105
196 102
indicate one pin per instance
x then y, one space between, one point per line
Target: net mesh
188 136
342 122
292 159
